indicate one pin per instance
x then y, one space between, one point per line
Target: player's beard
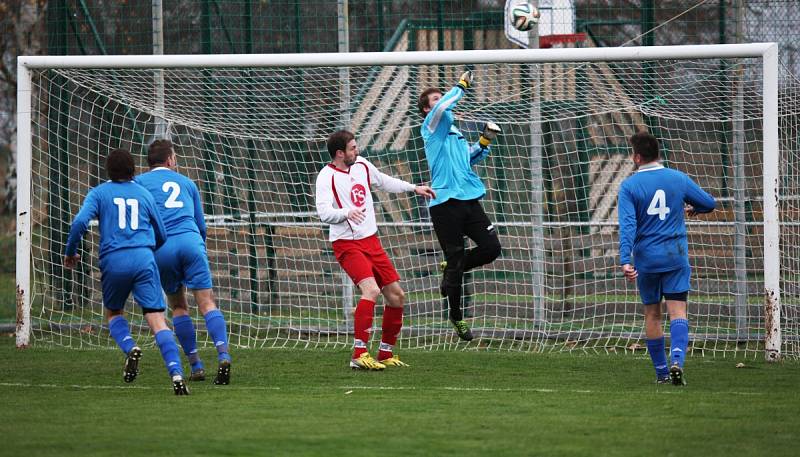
350 163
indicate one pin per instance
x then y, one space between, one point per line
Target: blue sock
165 340
655 348
184 330
215 323
121 332
679 337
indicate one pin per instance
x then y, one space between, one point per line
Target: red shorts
365 258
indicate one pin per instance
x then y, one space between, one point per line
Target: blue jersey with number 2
178 199
652 231
127 216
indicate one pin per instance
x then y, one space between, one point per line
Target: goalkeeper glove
466 80
490 131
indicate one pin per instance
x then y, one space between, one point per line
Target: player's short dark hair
645 144
158 152
338 141
120 166
422 102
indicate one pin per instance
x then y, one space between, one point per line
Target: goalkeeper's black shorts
454 219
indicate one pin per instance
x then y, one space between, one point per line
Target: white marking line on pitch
93 387
537 390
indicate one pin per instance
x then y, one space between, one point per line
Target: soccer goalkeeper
456 211
652 233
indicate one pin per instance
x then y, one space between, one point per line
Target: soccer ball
524 16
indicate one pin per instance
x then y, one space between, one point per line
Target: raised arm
440 117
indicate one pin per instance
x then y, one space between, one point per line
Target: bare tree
21 33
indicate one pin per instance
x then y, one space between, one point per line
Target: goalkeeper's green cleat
223 377
179 385
366 362
131 364
393 361
198 375
676 375
462 329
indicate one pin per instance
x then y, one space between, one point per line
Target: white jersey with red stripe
340 191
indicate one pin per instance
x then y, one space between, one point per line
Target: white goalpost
250 130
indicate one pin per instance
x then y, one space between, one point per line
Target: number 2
658 205
172 200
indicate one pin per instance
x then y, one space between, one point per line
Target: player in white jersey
344 200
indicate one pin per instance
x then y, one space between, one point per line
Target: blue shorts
653 286
182 260
130 270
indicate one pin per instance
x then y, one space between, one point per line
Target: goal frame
767 52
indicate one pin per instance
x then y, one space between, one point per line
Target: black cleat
664 380
132 364
676 375
223 377
179 385
198 375
462 329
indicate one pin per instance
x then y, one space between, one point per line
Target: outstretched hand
425 191
465 81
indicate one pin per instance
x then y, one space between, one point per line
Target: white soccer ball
524 16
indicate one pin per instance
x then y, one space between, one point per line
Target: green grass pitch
297 402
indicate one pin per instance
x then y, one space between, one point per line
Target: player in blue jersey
652 236
456 211
182 260
130 229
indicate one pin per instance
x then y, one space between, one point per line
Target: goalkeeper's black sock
454 301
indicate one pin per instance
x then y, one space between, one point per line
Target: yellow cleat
366 362
393 361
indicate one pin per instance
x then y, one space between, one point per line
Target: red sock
392 323
363 323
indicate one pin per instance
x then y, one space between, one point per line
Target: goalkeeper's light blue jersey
127 216
177 199
450 157
651 221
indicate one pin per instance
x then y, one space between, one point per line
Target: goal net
252 135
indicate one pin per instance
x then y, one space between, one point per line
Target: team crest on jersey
358 195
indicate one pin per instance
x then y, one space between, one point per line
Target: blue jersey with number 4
127 216
178 200
651 221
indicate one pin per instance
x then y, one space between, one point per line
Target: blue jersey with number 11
651 221
178 198
127 217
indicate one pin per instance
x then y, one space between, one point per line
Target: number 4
658 205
